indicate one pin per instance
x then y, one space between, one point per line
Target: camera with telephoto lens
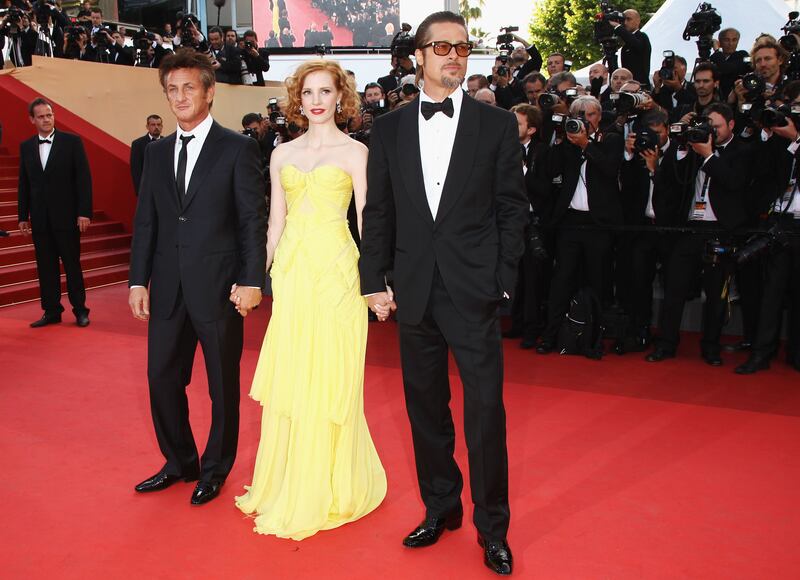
276 116
535 239
627 103
99 38
402 45
771 116
552 97
574 125
142 39
698 130
250 132
375 109
646 139
754 86
667 70
775 238
718 252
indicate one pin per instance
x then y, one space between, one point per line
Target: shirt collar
666 146
201 131
457 96
723 145
50 136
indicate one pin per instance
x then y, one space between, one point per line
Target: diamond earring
302 112
338 107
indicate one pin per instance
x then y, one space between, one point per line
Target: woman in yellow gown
316 466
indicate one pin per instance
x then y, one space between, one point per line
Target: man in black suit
154 127
636 49
199 231
587 166
714 198
55 205
446 210
730 62
226 60
675 94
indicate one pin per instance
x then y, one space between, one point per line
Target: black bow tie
43 141
430 109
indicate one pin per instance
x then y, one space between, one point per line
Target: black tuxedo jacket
62 191
213 237
538 183
230 70
730 67
667 194
773 167
477 237
137 160
602 177
636 54
729 187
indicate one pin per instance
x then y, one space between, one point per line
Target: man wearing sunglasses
446 212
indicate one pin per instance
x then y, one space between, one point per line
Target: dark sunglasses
442 48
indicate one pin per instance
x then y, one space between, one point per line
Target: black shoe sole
450 525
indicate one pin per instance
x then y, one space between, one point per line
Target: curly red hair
349 99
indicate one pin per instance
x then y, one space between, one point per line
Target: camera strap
699 211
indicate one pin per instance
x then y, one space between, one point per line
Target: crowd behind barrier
684 177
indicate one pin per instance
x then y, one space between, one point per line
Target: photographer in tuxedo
718 179
445 212
636 49
199 242
154 128
587 163
729 62
55 205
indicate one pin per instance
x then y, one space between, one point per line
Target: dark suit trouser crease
477 348
528 310
52 245
582 259
171 347
782 272
685 263
648 249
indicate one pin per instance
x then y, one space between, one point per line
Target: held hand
630 143
25 228
246 299
580 139
382 304
139 301
83 224
739 90
650 157
703 149
688 117
788 132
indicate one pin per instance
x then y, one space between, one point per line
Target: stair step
95 229
27 291
9 171
24 252
27 272
9 161
9 194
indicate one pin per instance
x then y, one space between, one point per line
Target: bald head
632 20
618 78
485 96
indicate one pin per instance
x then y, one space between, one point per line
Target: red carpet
619 468
302 15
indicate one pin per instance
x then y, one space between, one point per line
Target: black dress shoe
738 346
82 319
428 532
755 363
497 555
545 347
46 319
712 358
205 491
3 234
659 354
161 480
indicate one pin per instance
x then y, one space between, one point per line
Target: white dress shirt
699 182
580 199
193 148
649 211
44 148
436 138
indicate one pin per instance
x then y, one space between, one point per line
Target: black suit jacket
730 68
636 54
729 187
57 195
538 183
602 177
667 195
230 70
477 237
213 237
137 160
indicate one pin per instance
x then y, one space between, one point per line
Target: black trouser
582 259
647 250
685 264
171 345
528 311
477 348
749 282
50 246
781 273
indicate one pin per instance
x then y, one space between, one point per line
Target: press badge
699 211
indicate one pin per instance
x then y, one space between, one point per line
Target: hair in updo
349 99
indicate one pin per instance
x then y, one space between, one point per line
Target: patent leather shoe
161 480
82 319
46 319
205 491
429 531
496 555
712 358
545 347
738 346
659 354
753 364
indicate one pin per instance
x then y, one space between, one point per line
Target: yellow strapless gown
316 466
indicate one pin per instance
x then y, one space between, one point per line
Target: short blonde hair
349 99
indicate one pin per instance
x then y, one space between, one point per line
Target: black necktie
180 177
430 109
43 141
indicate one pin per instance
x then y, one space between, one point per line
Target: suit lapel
410 161
55 151
205 162
463 156
33 151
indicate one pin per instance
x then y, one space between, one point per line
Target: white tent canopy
665 28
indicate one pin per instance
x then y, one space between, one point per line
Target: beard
452 83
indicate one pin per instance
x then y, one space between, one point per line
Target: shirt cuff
793 147
628 156
136 286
